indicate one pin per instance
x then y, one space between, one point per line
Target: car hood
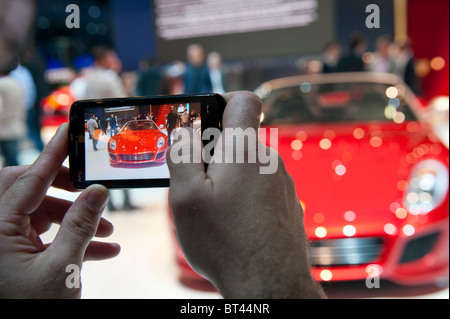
339 168
142 140
136 136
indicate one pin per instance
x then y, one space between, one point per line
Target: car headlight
112 144
161 142
428 187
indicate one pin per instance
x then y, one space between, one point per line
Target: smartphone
123 143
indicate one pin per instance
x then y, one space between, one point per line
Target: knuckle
252 99
82 226
6 171
33 178
9 174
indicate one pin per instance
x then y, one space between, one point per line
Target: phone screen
131 142
124 143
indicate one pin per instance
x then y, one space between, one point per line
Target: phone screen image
124 142
131 142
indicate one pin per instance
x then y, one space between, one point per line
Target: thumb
80 223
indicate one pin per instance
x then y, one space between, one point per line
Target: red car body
138 142
56 107
366 185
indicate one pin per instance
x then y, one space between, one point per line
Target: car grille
346 251
136 157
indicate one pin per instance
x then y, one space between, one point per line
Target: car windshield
140 126
336 102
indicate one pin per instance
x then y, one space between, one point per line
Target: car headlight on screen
161 142
428 186
112 144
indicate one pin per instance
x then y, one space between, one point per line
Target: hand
241 230
28 268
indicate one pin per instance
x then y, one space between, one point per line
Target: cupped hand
28 267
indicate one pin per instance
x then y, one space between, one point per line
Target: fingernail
61 128
97 200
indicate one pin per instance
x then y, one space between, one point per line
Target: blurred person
33 62
185 119
173 75
214 62
16 20
382 58
171 123
25 79
78 85
196 77
113 125
331 57
103 123
12 119
149 79
404 62
353 62
92 127
103 81
192 116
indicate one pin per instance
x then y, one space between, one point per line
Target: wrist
288 278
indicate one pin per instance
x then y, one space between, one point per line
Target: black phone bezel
212 108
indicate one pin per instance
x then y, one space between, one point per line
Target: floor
146 265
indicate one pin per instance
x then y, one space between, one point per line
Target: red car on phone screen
370 174
138 142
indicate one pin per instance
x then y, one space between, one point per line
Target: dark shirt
171 120
149 83
351 63
197 80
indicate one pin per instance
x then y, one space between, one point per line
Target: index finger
9 175
28 191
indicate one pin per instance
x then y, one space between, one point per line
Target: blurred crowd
390 56
23 91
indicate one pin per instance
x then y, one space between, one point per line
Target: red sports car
138 142
370 174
